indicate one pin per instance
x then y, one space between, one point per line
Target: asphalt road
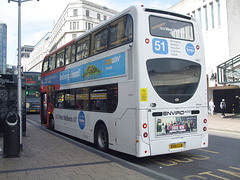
221 160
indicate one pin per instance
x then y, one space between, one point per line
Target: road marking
214 152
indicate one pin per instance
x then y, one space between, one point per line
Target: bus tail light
205 128
205 121
197 47
145 134
144 126
147 41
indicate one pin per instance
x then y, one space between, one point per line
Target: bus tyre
101 137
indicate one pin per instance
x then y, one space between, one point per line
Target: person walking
223 107
211 106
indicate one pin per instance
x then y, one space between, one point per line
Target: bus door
43 108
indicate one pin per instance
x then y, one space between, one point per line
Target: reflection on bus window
121 31
52 62
82 98
73 51
99 41
60 59
59 102
82 49
68 55
45 65
170 28
98 97
69 102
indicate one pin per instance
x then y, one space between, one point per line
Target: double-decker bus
135 83
32 91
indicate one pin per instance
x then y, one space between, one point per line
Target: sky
38 18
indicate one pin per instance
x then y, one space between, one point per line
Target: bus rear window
169 28
174 80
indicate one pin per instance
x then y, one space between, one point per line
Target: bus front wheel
101 137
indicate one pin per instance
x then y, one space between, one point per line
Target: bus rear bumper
173 145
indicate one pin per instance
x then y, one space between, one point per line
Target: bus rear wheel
101 137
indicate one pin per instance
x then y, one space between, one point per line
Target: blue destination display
107 67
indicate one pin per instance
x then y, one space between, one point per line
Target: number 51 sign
160 46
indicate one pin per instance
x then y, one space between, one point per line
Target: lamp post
19 88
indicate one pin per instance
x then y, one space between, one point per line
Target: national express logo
81 120
190 49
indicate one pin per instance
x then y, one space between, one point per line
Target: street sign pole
19 77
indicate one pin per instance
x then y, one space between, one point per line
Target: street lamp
19 88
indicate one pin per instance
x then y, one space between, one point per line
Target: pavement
48 155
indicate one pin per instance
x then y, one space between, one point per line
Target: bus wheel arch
51 122
101 138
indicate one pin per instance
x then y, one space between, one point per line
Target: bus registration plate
176 146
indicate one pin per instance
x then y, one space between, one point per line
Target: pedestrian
223 107
211 106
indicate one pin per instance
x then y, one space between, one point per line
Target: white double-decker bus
135 84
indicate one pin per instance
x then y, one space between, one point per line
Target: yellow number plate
176 146
33 110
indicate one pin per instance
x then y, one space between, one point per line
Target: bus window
45 65
99 41
59 101
52 62
121 31
82 49
174 80
113 98
69 102
60 59
170 28
98 97
67 55
73 51
82 98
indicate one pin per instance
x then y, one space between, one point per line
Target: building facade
3 48
220 25
25 55
76 19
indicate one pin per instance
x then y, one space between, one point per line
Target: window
99 41
98 16
82 98
52 59
69 102
98 97
219 12
104 17
212 14
121 31
206 17
45 65
68 55
104 98
169 28
73 53
75 12
74 26
175 80
87 13
82 49
59 101
60 59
